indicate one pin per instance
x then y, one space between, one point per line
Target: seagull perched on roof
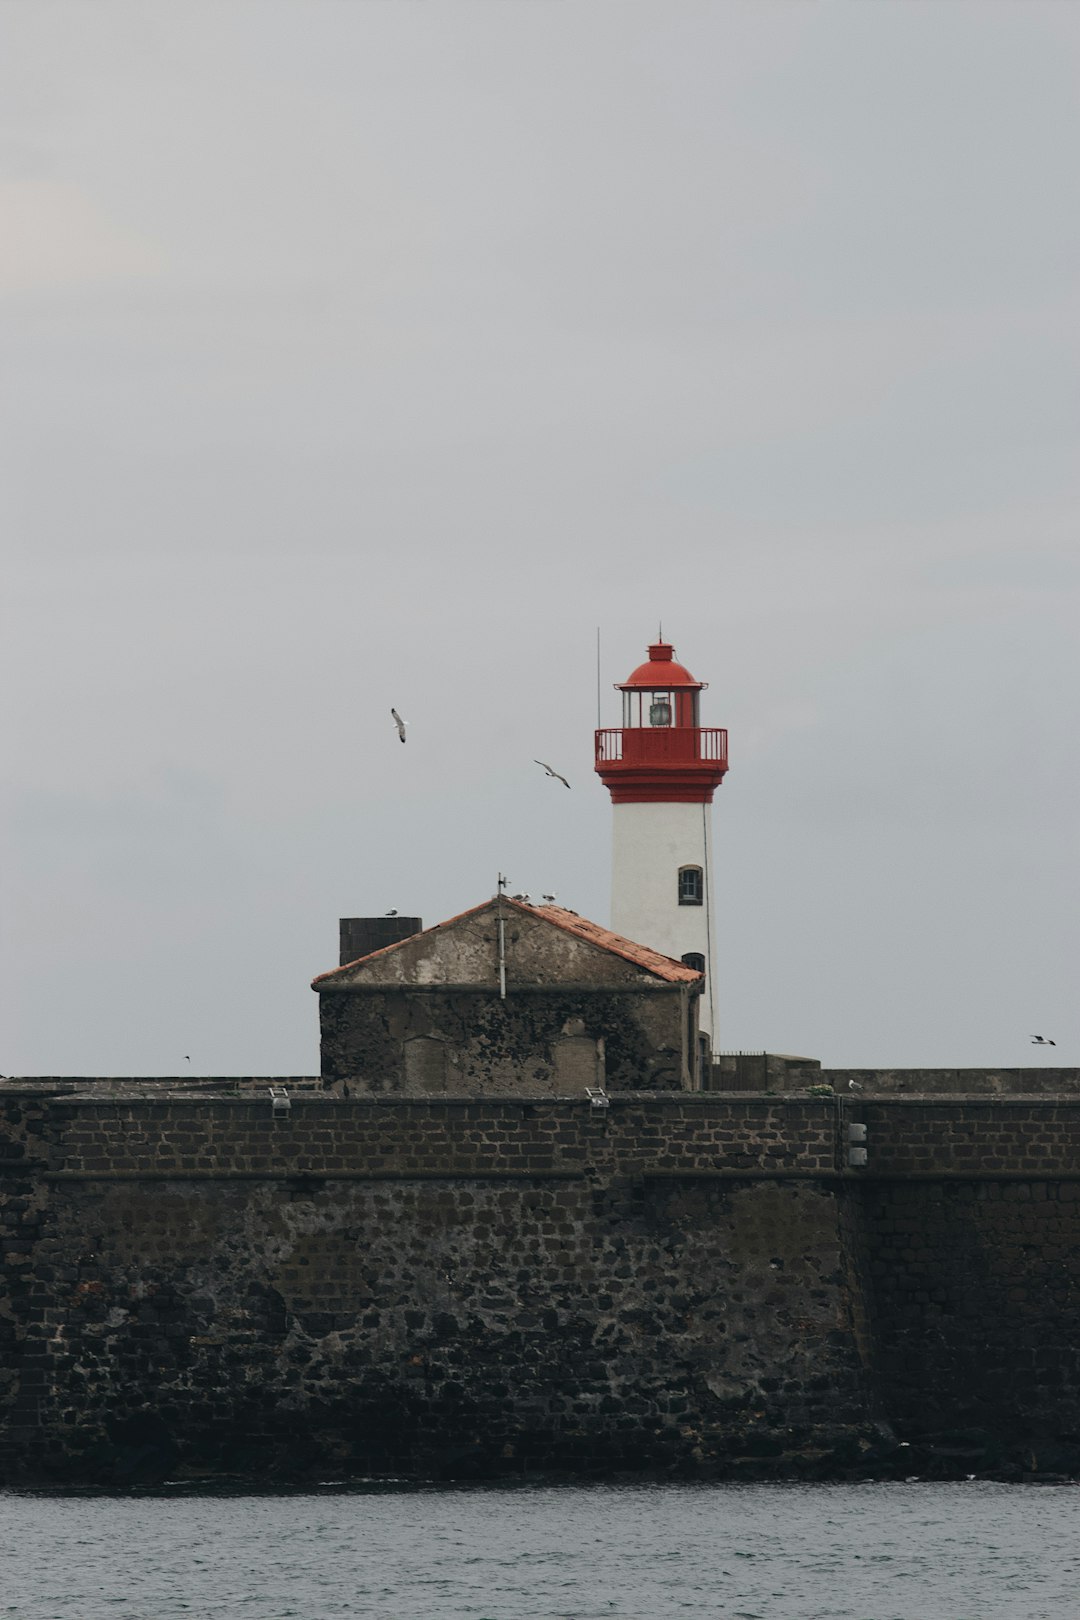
549 899
392 913
550 772
853 1085
400 723
1041 1040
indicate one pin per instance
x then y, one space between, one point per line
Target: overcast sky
359 354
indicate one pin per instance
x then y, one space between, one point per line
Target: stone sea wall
694 1285
1043 1081
976 1288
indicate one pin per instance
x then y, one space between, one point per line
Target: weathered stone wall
986 1136
530 1042
580 1009
691 1283
970 1234
533 1042
976 1306
945 1082
364 1136
449 1288
440 1327
770 1071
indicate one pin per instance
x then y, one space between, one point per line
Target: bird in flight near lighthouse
400 723
550 772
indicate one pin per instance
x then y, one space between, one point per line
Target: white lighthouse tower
662 767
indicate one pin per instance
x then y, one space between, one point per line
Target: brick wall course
632 1136
636 1134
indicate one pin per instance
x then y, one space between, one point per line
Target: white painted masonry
650 843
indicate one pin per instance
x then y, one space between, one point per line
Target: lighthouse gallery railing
654 745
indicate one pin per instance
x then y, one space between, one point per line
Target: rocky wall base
439 1330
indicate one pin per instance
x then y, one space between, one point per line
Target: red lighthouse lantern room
661 753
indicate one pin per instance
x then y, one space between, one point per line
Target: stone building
510 997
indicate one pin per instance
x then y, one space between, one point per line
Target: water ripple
746 1552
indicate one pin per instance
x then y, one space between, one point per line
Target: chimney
359 936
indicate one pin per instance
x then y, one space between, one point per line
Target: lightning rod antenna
598 677
500 932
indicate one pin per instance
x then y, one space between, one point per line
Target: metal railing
643 745
738 1071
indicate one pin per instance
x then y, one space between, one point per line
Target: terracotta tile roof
664 967
642 956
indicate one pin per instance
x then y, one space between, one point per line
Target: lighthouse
662 767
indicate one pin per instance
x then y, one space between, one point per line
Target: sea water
639 1552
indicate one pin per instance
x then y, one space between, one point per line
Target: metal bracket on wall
280 1102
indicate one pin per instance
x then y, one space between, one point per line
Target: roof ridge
605 939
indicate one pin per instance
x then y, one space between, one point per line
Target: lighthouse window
691 886
660 709
695 960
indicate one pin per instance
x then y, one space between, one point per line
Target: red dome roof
661 673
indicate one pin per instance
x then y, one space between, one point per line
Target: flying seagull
400 723
1041 1040
550 772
